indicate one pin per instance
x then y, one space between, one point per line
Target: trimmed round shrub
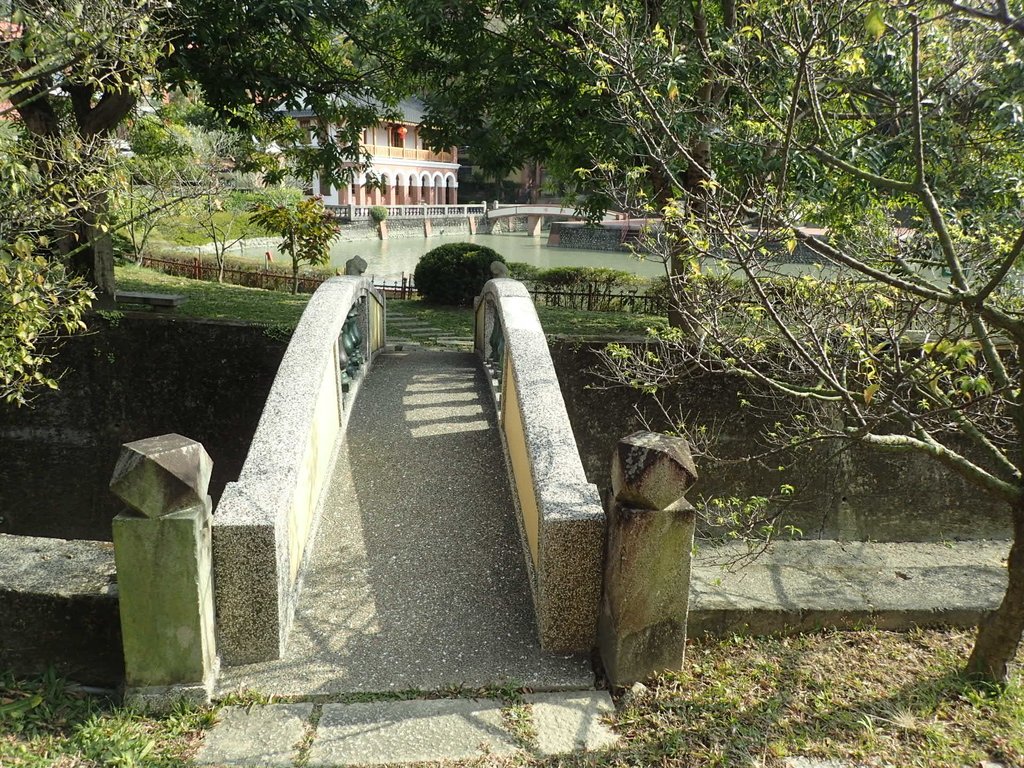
378 213
455 273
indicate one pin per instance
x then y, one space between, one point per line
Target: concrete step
412 731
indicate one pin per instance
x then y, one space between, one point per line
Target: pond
393 258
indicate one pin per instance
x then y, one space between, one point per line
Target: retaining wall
860 494
58 608
129 378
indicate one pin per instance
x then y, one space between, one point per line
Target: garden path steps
417 579
404 328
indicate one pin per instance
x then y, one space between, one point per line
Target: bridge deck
417 579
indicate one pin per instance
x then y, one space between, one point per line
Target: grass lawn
869 698
215 300
231 302
458 321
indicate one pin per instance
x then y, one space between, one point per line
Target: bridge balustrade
560 515
265 520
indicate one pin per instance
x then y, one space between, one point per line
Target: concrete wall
591 238
129 379
58 607
407 228
861 494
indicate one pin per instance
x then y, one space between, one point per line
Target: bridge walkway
417 577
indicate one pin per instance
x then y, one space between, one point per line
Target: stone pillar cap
652 471
355 266
161 475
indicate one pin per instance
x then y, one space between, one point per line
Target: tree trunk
90 254
295 276
999 632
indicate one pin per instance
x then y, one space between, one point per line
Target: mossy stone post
162 550
642 624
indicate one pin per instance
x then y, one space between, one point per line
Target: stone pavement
417 577
405 329
407 731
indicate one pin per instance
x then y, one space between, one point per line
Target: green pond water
391 258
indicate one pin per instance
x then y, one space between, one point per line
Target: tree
73 73
157 176
306 228
214 210
885 143
76 72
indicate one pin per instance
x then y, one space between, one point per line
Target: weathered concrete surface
568 722
58 607
400 732
124 382
162 474
256 736
560 511
417 580
642 627
166 598
165 570
861 494
809 585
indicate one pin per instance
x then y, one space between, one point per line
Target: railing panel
264 522
560 513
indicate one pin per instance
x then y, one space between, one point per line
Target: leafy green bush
455 273
589 278
519 270
378 213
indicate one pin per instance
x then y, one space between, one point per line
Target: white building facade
410 174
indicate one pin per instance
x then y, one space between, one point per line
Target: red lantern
402 130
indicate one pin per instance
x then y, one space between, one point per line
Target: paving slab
256 737
567 722
401 732
418 579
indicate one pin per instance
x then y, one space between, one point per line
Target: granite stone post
162 550
642 624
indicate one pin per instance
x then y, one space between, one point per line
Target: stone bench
161 302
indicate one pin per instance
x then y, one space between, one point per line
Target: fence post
642 625
163 554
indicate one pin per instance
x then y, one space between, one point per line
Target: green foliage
378 213
39 303
306 228
519 270
455 273
48 721
594 278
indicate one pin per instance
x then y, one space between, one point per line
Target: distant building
411 174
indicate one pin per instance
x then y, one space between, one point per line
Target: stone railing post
642 625
162 551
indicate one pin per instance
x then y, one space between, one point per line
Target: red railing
195 268
591 297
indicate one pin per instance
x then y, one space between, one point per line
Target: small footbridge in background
409 518
537 214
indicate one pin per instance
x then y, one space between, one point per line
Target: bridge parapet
265 521
560 514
